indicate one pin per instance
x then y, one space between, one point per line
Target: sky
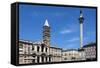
63 21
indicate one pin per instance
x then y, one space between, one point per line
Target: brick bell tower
46 33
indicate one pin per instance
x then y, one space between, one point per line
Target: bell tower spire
46 23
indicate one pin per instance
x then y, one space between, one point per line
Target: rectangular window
37 48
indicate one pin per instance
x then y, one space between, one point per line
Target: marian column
81 19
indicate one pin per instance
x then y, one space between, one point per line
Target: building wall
40 53
90 52
25 52
56 54
33 53
72 55
82 55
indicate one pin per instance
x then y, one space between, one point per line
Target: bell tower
46 33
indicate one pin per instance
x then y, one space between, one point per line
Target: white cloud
66 31
74 39
77 39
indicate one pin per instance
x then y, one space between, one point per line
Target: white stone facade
70 55
33 53
55 54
